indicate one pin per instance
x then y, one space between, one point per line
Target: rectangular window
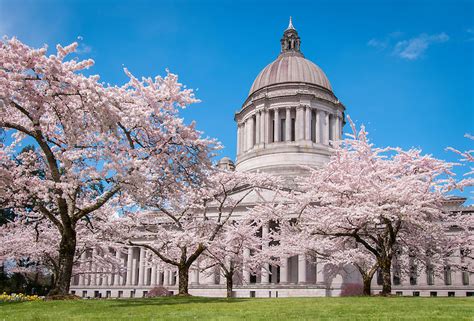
73 292
451 294
145 293
120 294
430 276
108 294
132 294
416 293
465 278
447 275
293 130
252 294
433 293
84 294
399 293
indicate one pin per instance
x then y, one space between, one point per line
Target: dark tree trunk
367 285
386 277
229 284
67 250
183 279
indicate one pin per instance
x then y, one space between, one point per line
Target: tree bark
183 279
367 285
386 277
67 250
229 284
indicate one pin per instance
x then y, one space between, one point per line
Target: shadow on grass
130 303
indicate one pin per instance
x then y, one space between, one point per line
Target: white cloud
414 48
409 49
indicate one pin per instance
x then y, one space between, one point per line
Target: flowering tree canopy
369 205
182 223
93 141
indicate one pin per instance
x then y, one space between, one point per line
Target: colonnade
301 123
133 271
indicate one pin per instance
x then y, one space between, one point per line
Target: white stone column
284 270
265 279
319 272
299 123
268 127
338 128
288 125
318 130
195 274
117 269
134 270
141 267
239 133
166 278
250 129
246 272
83 264
153 281
277 124
262 127
307 133
302 269
326 128
257 128
94 268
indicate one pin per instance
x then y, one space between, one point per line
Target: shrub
352 289
157 292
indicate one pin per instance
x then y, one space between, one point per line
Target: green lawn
196 308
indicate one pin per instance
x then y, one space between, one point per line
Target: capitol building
288 120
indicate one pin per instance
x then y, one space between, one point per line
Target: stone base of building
267 291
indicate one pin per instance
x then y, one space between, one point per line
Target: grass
197 308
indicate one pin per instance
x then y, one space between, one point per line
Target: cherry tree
179 225
384 200
238 248
37 242
94 142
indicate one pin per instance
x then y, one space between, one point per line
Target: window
379 278
145 293
451 294
469 293
465 278
108 294
269 294
252 294
430 275
97 294
416 293
293 129
73 292
132 293
433 293
447 275
282 130
120 294
84 294
399 293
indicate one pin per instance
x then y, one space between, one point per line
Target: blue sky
405 69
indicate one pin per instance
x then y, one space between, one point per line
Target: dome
289 68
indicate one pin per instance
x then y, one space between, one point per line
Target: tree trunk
386 277
183 279
367 285
67 250
229 284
